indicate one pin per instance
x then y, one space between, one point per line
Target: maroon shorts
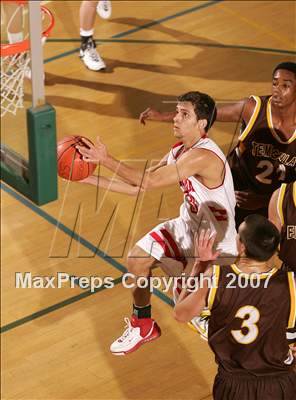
244 387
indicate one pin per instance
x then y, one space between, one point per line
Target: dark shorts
229 386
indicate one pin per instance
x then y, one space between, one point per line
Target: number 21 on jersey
268 168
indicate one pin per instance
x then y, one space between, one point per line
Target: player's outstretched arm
189 164
148 179
160 164
241 110
111 184
154 115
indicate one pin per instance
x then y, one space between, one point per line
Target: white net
13 71
15 66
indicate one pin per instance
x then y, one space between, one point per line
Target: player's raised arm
190 163
190 304
154 115
229 112
241 110
161 163
98 153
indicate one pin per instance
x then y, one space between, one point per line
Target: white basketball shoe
138 331
104 9
90 56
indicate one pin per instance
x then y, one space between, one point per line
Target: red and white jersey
205 207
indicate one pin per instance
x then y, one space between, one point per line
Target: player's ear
203 124
241 248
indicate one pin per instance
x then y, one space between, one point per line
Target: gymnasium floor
55 342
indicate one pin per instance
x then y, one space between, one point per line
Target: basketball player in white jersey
200 168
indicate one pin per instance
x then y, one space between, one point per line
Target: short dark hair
260 237
287 65
204 106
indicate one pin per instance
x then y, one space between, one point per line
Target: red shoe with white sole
138 331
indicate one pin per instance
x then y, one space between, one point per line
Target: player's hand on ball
93 153
204 246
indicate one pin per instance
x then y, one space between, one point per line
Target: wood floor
55 342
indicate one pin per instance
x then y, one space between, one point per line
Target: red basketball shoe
138 331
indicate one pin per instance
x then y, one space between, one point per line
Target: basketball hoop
15 61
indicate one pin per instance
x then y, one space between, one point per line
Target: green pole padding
41 124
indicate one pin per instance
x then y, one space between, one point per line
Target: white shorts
172 243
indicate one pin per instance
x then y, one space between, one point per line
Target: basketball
71 165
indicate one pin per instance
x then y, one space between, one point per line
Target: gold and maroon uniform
286 208
263 158
252 316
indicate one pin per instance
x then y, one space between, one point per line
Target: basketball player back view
244 344
267 299
253 315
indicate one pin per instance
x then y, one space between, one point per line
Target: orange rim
20 2
21 47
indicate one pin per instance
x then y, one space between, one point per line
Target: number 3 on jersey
250 316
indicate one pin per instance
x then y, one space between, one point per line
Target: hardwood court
55 342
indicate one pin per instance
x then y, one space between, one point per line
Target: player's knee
135 265
138 262
131 264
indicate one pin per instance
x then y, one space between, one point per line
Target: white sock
86 33
15 37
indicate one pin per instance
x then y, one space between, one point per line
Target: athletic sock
87 39
86 33
142 312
